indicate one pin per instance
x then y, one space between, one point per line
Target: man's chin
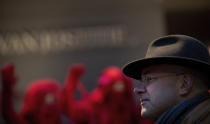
145 113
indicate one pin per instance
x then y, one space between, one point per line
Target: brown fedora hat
172 49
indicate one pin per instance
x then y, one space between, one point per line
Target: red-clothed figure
118 100
41 101
118 105
80 111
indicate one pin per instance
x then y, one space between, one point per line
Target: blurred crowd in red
47 102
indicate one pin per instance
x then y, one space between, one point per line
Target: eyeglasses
147 79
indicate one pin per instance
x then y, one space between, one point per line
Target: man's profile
173 80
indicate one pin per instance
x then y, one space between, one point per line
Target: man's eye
148 78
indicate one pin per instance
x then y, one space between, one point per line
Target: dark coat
199 115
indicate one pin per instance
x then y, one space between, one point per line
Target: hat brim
134 69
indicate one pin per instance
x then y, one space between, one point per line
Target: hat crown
178 46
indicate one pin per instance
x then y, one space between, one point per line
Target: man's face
159 92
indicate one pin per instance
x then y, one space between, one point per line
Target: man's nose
139 89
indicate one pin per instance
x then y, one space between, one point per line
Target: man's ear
186 85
